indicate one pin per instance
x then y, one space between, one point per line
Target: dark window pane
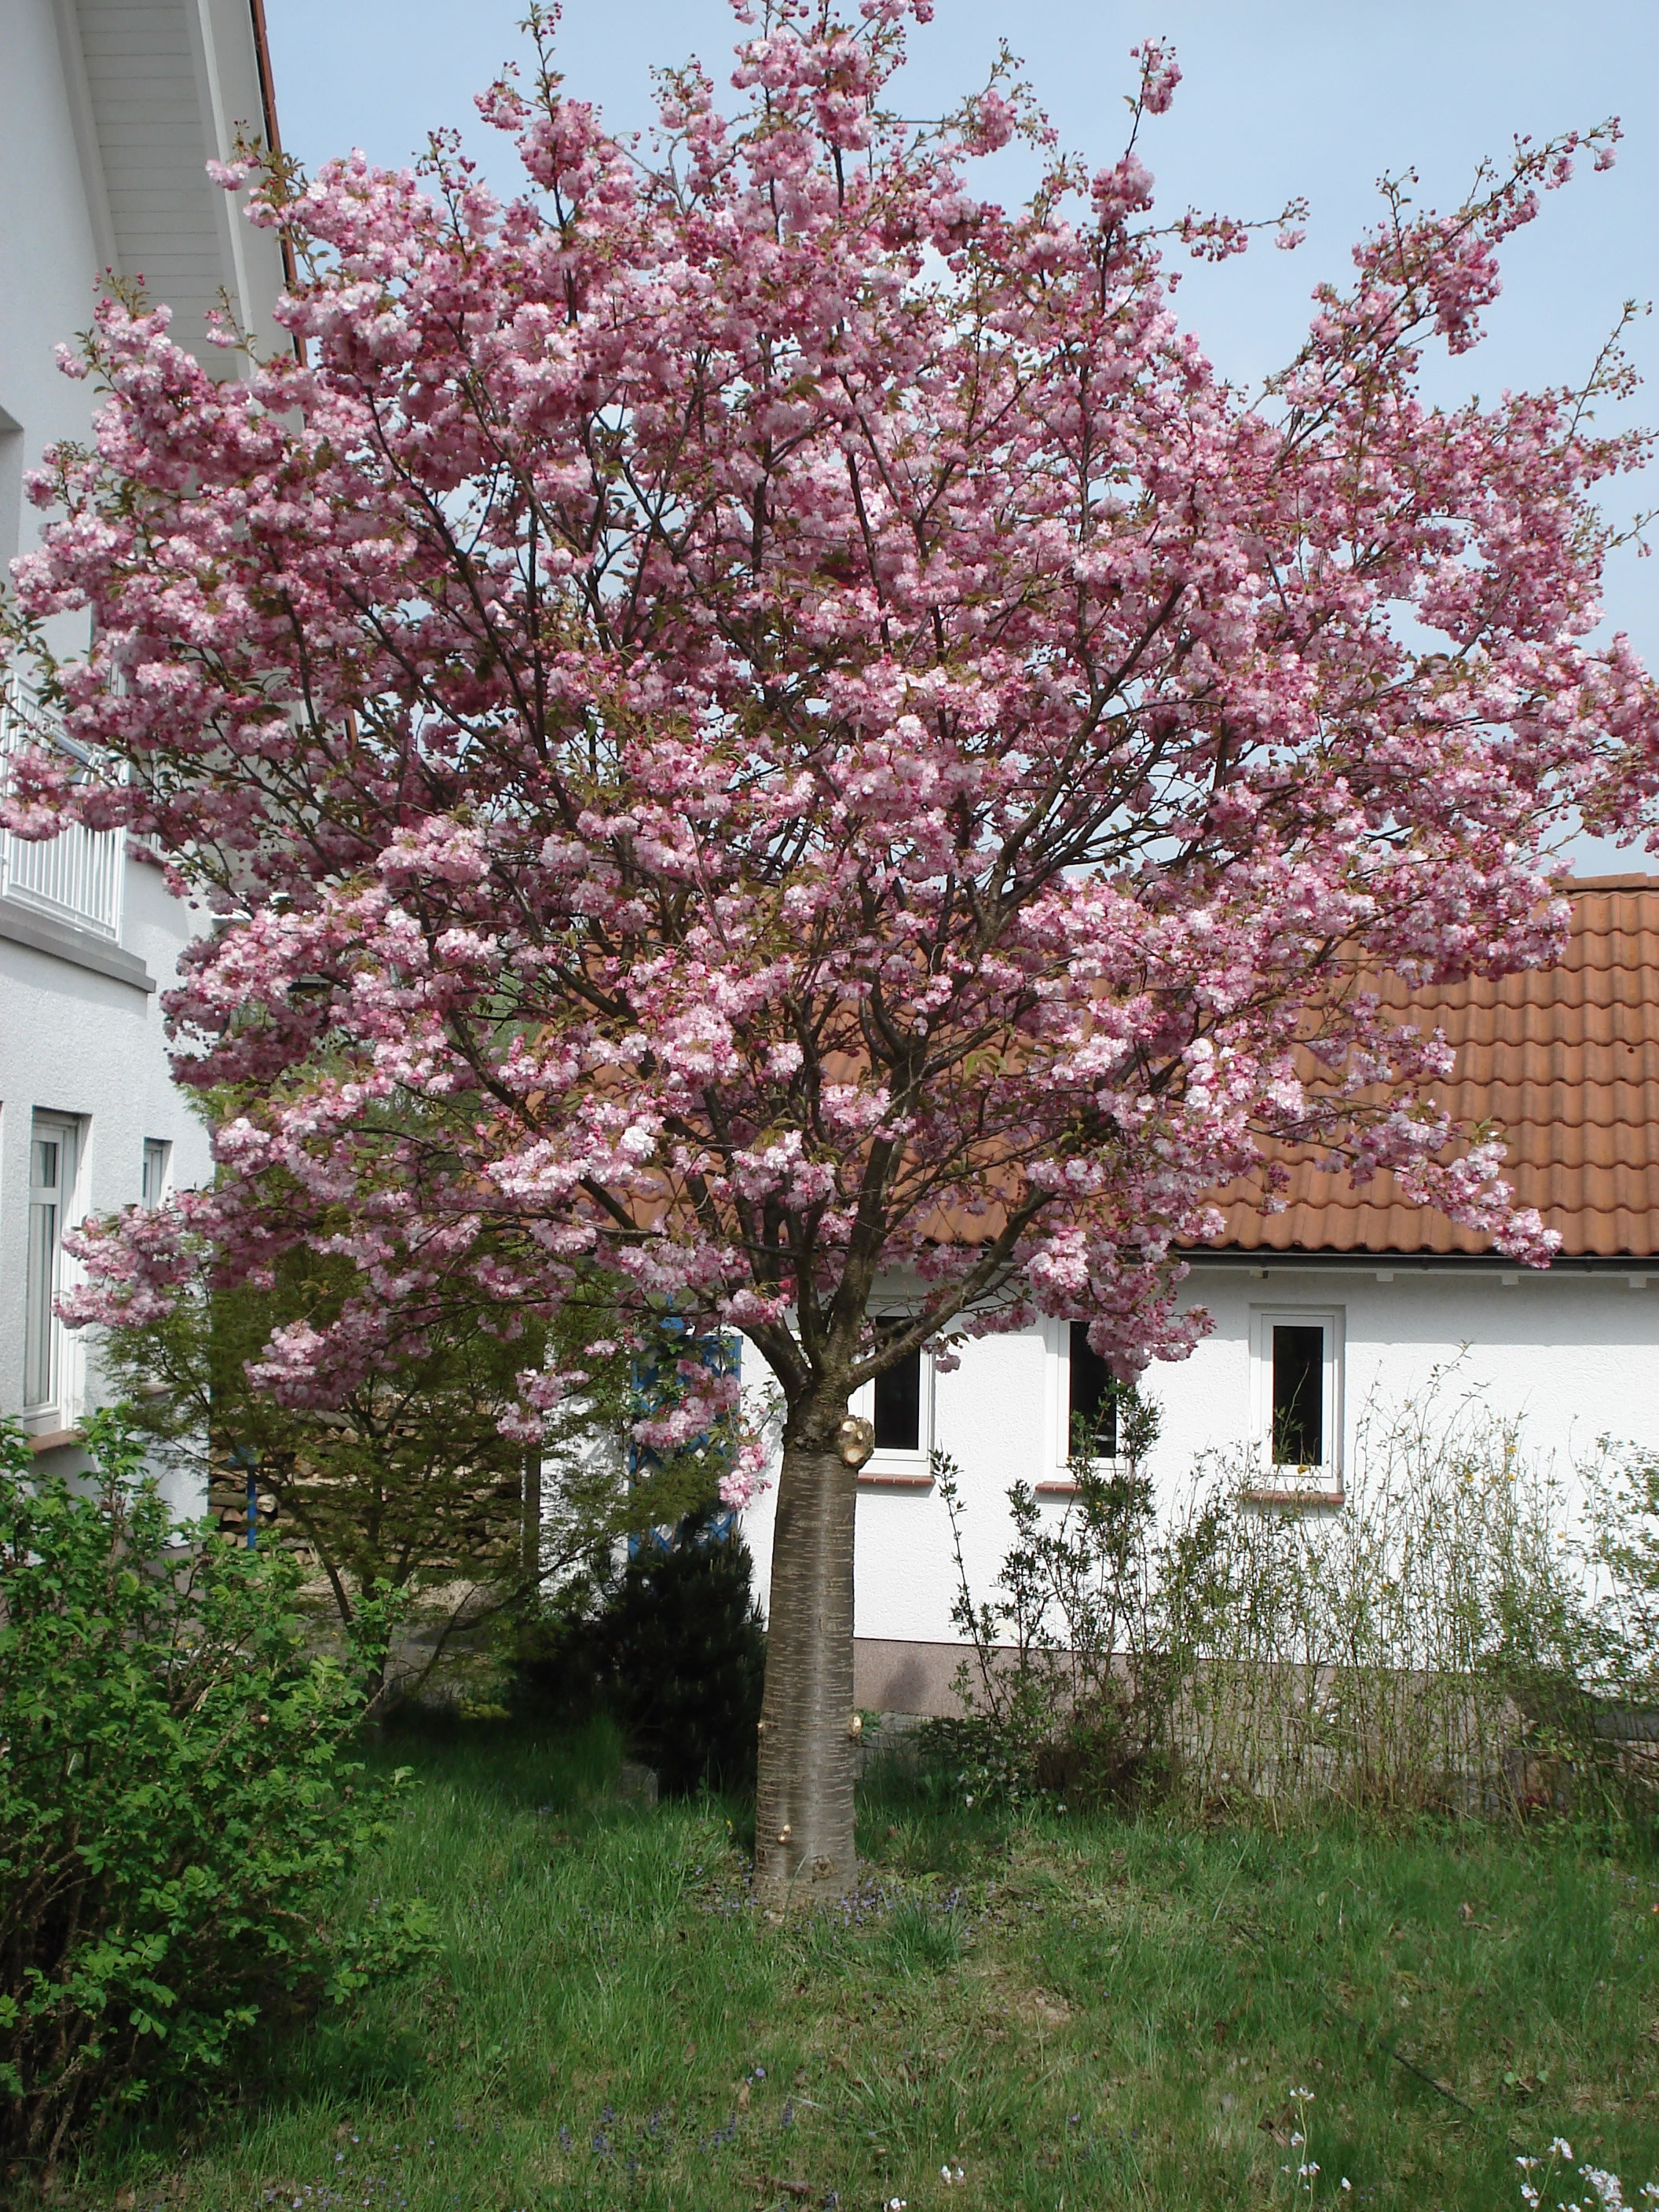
1298 1395
1093 1396
898 1405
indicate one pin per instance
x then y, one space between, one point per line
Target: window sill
1062 1485
895 1478
55 1440
1267 1494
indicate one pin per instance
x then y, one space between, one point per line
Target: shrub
1624 1551
1430 1644
1458 1634
409 1482
669 1640
1071 1680
176 1816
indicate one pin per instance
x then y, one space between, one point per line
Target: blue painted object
651 1383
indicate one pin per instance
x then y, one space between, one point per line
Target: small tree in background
407 1485
768 725
1072 1672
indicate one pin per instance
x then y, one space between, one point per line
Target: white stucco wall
108 112
49 255
1573 1357
89 1048
72 1041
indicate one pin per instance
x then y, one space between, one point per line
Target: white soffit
169 83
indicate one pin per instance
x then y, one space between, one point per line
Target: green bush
176 1816
1069 1681
670 1643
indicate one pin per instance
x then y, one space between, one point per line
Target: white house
1343 1296
109 111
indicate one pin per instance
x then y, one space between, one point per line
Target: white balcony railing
77 876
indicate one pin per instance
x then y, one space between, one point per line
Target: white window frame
56 1409
156 1174
1056 1480
901 1470
1321 1484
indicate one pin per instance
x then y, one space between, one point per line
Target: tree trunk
529 1525
803 1845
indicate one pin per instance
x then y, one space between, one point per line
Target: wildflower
1607 2186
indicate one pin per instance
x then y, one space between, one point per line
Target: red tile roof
1565 1060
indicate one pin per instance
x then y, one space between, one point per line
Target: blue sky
1279 98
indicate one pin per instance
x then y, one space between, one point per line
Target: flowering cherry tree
767 726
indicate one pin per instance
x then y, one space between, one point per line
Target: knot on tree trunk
855 1439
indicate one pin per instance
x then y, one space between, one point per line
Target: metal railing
77 876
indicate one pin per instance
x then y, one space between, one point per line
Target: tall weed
1429 1642
1470 1629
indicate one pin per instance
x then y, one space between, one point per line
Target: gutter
273 137
1389 1267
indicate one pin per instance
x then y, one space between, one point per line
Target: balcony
77 878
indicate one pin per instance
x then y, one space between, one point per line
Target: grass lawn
1076 2013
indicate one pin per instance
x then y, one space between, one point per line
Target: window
1298 1366
898 1415
53 1145
1090 1395
898 1405
1079 1387
158 1153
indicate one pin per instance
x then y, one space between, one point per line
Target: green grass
1080 2014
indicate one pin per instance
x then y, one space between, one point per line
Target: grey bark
803 1846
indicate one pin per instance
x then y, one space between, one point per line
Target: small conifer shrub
669 1640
